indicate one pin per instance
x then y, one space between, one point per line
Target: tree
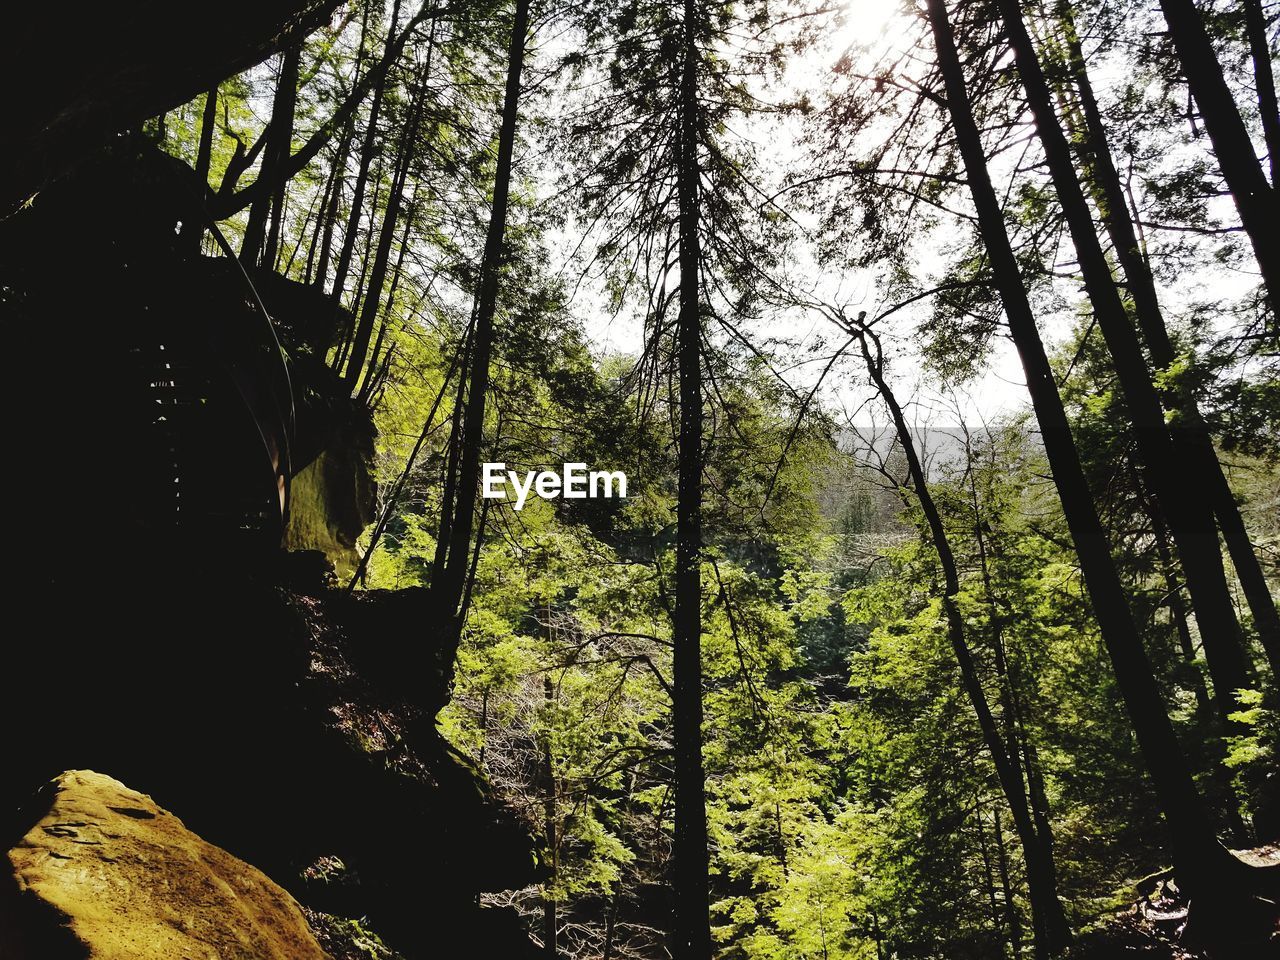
458 517
1207 869
1189 431
690 884
1255 199
1051 932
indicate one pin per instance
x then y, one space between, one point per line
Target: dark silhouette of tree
1208 870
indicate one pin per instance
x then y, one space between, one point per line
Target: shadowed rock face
105 872
93 74
264 719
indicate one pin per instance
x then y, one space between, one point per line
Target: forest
938 342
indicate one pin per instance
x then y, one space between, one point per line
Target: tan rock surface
106 873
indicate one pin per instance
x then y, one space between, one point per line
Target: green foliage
853 809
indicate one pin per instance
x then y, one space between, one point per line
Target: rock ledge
107 873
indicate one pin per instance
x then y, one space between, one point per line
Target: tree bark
256 245
367 149
1185 507
449 588
1051 933
193 233
386 237
690 882
1202 863
333 207
1193 444
1255 199
288 87
988 872
1264 82
550 924
366 386
324 222
1006 886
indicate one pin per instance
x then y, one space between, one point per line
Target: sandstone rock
106 873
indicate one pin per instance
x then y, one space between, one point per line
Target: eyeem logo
574 482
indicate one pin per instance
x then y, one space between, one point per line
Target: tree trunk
378 275
368 148
1021 747
1051 932
192 233
550 925
1202 863
324 222
1168 569
1186 508
450 587
366 387
1264 82
344 349
287 96
386 237
690 883
453 453
1222 774
988 872
332 208
1255 199
1006 886
1190 434
257 246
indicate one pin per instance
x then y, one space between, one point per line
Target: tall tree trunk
382 252
550 924
1178 612
287 95
988 872
323 223
1051 932
1190 434
1222 774
257 245
204 152
1202 863
690 881
453 454
610 920
1255 199
1006 886
192 233
1185 507
1264 82
368 148
344 348
450 588
381 258
366 386
333 207
1021 746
